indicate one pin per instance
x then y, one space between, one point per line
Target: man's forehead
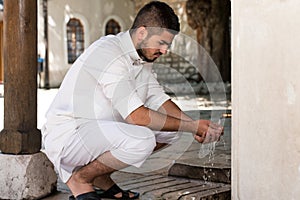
165 36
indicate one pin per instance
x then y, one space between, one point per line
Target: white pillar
266 99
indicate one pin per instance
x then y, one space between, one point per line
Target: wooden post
20 134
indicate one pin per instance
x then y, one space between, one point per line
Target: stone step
214 167
215 173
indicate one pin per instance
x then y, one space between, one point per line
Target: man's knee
144 149
146 146
143 142
136 151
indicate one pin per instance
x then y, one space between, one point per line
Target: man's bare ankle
79 186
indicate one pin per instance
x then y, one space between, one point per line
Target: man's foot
117 193
87 196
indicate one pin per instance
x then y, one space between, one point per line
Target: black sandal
97 190
86 196
111 192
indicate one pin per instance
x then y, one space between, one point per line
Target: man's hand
208 132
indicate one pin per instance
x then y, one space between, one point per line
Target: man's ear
141 33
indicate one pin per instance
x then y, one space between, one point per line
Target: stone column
29 176
265 100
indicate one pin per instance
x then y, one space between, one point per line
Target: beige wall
92 13
265 99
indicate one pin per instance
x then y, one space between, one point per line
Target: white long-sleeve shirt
107 82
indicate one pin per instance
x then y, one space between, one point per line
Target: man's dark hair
157 14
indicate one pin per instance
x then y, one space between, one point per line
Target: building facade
72 26
67 27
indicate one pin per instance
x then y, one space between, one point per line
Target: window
75 39
112 27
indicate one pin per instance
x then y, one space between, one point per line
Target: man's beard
144 57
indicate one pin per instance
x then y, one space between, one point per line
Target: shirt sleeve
156 95
118 86
107 63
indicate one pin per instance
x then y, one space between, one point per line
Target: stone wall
266 100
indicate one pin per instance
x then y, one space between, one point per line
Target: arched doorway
112 27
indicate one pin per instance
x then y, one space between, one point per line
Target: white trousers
130 144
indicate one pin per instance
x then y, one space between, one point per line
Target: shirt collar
128 48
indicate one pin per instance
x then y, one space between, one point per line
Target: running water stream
207 152
209 148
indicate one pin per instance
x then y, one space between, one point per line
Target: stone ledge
26 176
219 174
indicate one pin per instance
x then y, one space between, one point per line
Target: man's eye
161 43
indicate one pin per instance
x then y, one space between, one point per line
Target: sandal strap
88 196
115 189
125 194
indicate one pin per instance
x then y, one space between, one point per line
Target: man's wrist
189 126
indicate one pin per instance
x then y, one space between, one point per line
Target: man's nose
163 50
